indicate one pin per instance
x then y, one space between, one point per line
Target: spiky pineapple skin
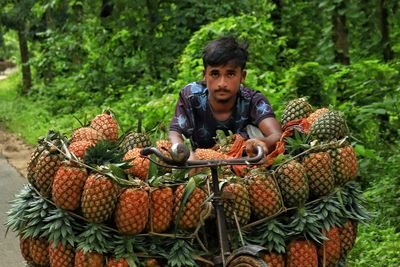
345 167
208 154
24 244
264 194
48 164
348 234
132 211
329 126
296 109
319 170
301 253
293 183
329 252
90 259
106 125
99 198
33 162
161 209
61 256
163 146
39 251
239 204
274 260
86 134
68 186
140 165
135 140
190 216
316 114
79 148
117 263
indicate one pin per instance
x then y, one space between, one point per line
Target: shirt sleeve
181 121
260 108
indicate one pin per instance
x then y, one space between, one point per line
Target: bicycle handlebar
180 159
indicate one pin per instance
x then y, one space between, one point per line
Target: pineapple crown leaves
222 139
297 144
103 153
181 254
60 226
124 246
270 234
191 185
353 203
329 211
307 224
16 215
95 237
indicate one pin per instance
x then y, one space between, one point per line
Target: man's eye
214 74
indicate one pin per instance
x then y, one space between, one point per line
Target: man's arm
272 132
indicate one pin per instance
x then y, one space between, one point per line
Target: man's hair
225 50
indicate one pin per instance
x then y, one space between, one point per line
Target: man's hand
251 147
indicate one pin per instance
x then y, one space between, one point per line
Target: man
222 102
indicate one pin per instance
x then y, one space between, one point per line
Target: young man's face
223 81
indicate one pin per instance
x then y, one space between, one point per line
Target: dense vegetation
78 57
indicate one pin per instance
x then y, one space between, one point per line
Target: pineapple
189 217
316 114
33 161
264 193
61 255
224 143
296 109
90 259
292 181
208 154
344 164
45 169
87 134
132 211
274 259
319 170
238 203
161 207
301 253
39 251
164 146
135 140
140 165
68 186
348 234
117 263
329 126
24 244
107 125
329 252
79 148
99 198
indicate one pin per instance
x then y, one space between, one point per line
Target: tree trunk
26 69
385 35
339 34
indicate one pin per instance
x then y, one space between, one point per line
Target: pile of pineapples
93 200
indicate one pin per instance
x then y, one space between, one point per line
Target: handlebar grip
179 154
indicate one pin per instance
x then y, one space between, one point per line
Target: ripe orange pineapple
161 207
292 180
90 259
46 167
164 146
319 170
61 256
344 164
190 214
117 263
329 252
24 244
39 251
274 259
140 165
132 211
348 234
301 253
107 125
68 186
79 148
87 134
264 193
99 198
208 154
239 203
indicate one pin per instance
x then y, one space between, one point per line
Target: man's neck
222 110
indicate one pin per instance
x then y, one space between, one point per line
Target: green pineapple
135 140
296 109
329 126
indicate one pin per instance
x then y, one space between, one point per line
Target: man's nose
222 83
